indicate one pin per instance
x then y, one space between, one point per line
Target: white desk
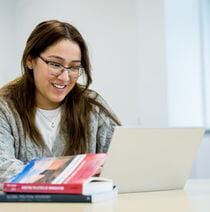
194 198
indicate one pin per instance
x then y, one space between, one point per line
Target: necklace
52 122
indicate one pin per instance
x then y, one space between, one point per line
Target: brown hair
77 105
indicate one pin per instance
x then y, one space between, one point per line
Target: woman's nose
64 76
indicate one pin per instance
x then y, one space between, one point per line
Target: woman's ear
29 62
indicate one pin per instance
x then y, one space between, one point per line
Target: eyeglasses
57 69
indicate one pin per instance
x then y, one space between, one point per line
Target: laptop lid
149 159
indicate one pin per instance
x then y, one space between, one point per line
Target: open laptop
151 159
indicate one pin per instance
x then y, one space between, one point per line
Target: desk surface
194 198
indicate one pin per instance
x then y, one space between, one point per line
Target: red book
68 174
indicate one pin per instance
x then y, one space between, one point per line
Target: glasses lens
55 68
75 71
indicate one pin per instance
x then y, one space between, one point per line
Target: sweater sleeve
9 165
105 128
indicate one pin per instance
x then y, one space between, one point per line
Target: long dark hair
77 105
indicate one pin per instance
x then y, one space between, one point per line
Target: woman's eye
55 65
75 68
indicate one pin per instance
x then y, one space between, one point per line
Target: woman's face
51 90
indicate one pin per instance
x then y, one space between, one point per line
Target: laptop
151 159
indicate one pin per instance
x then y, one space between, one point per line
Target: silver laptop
151 159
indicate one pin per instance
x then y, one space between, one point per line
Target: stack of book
60 179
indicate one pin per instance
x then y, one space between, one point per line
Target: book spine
44 198
43 188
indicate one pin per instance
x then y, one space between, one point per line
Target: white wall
152 75
8 66
205 32
183 42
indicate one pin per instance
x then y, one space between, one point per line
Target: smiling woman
46 112
51 80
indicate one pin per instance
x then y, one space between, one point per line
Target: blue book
29 197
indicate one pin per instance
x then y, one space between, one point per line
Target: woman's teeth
59 86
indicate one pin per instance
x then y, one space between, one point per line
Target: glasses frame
68 69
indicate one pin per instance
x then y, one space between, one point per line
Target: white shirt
47 122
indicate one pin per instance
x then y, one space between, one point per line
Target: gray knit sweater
16 150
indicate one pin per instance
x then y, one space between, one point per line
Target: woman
46 112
